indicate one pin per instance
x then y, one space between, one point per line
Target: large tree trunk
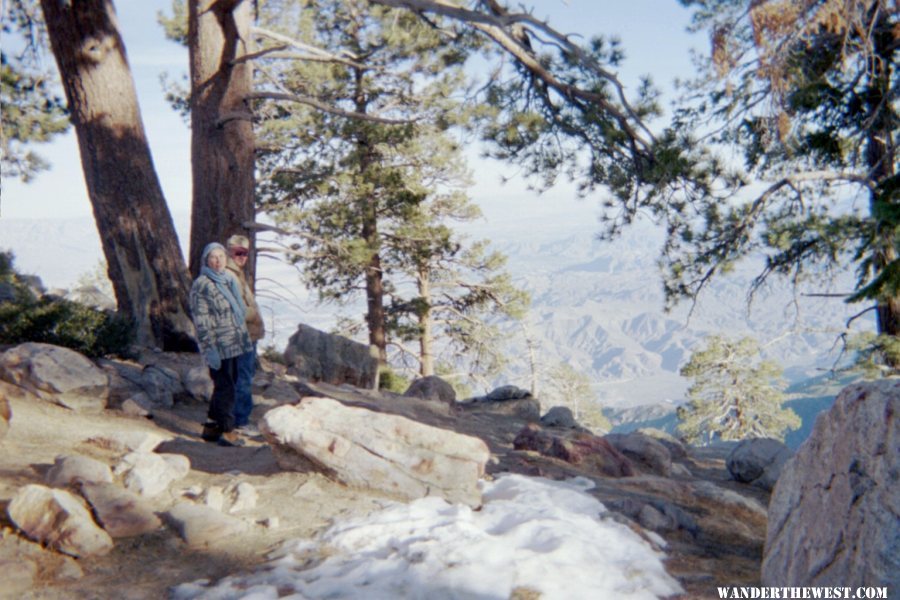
375 314
222 144
881 160
146 267
426 326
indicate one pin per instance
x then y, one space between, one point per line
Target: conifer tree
32 109
735 395
366 150
565 386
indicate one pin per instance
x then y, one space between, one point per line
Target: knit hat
238 241
209 248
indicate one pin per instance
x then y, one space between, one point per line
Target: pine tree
564 386
366 150
32 110
807 93
735 395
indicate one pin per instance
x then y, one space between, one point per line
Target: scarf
225 282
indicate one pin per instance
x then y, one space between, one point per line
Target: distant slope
596 306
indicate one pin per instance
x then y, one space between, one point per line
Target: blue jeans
243 396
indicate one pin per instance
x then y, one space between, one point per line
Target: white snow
533 533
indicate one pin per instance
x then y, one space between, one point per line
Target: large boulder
319 356
644 451
758 461
833 515
58 520
58 374
384 452
432 388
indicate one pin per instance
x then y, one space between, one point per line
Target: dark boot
211 432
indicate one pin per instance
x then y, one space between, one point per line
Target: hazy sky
652 32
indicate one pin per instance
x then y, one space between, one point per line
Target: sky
652 32
549 536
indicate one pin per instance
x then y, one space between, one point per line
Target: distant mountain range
597 306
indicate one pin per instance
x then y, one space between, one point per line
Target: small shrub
271 354
390 381
60 322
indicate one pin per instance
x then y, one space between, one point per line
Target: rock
644 451
5 414
527 409
161 384
675 447
758 461
58 520
380 451
124 381
833 515
198 383
58 374
584 449
214 497
149 474
432 388
243 496
67 470
560 417
138 405
652 519
120 513
319 356
201 526
131 440
280 392
507 392
69 570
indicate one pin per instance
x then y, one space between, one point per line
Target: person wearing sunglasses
238 255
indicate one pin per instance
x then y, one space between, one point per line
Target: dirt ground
299 504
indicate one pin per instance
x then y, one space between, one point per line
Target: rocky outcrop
432 388
319 356
365 449
57 374
833 515
583 449
58 520
507 400
758 462
648 454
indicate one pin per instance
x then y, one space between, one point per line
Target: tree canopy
735 394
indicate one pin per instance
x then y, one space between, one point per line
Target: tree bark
375 314
881 160
144 258
222 142
426 326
